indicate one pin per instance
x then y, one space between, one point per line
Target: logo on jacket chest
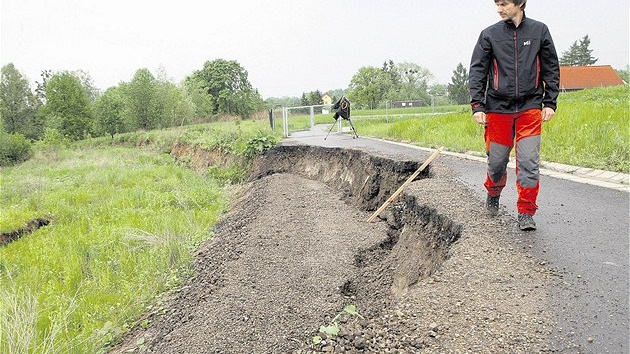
527 42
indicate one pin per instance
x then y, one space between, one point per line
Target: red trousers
502 131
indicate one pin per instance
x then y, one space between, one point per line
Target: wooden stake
409 180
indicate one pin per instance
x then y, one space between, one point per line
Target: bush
14 148
52 140
259 144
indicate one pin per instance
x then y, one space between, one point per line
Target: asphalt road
583 234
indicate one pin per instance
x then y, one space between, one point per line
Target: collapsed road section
296 252
417 234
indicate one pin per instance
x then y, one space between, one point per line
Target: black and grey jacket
514 68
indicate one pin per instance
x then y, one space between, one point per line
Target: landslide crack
30 227
418 237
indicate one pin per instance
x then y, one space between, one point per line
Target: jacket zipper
496 73
515 66
537 70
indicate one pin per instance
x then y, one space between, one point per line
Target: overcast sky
287 46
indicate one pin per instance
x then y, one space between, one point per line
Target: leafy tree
371 86
88 84
109 111
624 74
227 83
83 76
315 97
285 101
413 81
311 98
255 103
390 81
18 105
458 88
40 90
142 100
174 105
68 107
198 93
439 94
578 54
158 103
367 87
392 72
304 99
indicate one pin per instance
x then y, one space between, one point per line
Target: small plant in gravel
332 330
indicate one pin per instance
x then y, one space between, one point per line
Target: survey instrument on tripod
342 109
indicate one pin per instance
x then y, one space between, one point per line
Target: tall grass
125 218
591 129
227 137
124 223
449 130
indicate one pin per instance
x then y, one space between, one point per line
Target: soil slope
435 274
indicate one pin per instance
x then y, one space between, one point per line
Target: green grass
299 121
226 137
124 223
429 131
125 218
591 129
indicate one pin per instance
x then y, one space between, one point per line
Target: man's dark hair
520 3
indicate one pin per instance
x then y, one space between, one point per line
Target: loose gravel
434 274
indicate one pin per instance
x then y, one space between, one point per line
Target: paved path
583 233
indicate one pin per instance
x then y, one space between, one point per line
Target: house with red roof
573 78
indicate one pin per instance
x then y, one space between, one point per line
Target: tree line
66 104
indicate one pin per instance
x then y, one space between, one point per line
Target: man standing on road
514 79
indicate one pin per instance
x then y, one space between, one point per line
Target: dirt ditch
434 274
30 227
417 237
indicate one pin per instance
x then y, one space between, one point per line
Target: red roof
581 77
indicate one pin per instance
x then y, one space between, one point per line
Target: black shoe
526 222
492 205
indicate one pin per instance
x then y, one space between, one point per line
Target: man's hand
547 114
480 117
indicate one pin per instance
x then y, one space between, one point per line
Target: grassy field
123 224
590 129
124 220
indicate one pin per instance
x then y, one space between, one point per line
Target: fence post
285 122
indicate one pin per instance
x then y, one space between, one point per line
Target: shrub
14 148
259 144
227 174
53 139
